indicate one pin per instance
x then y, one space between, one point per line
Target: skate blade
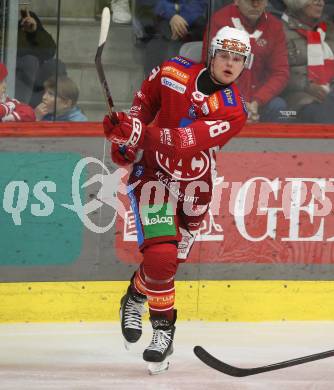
158 368
127 345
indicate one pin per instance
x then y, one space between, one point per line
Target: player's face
251 9
3 88
49 101
226 66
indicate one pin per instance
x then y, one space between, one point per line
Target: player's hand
122 129
179 27
40 111
123 155
6 108
317 91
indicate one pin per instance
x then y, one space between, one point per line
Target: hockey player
11 110
195 111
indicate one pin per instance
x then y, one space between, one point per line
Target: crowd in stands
43 91
289 77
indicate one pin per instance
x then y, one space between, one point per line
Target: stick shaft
105 23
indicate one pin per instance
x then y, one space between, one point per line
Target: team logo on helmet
234 46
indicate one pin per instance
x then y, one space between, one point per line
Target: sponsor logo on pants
158 220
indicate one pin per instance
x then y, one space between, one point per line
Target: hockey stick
105 22
217 364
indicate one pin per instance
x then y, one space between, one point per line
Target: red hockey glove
6 108
123 155
121 129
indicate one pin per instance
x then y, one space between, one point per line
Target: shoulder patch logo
172 84
229 97
175 73
213 102
182 61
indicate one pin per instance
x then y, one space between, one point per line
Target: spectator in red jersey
267 72
310 91
11 110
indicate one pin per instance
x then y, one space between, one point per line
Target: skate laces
160 340
133 313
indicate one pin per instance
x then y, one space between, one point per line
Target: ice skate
131 312
161 346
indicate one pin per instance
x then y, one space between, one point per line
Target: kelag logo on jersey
184 170
229 97
182 61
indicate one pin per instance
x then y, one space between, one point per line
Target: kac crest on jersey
184 169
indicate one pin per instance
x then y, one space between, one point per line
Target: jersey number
218 128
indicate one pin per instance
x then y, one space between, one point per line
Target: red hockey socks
155 278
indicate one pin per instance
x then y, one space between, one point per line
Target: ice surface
92 356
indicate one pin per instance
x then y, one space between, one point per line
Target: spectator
66 102
311 46
11 110
34 64
277 6
267 72
120 11
143 20
175 22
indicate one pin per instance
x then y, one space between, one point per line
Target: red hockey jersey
14 111
188 126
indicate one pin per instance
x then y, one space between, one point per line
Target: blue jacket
190 10
73 115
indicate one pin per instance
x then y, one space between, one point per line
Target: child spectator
11 110
311 46
266 75
65 102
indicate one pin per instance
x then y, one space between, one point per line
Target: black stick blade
227 369
217 364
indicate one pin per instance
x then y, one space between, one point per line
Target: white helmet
231 39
